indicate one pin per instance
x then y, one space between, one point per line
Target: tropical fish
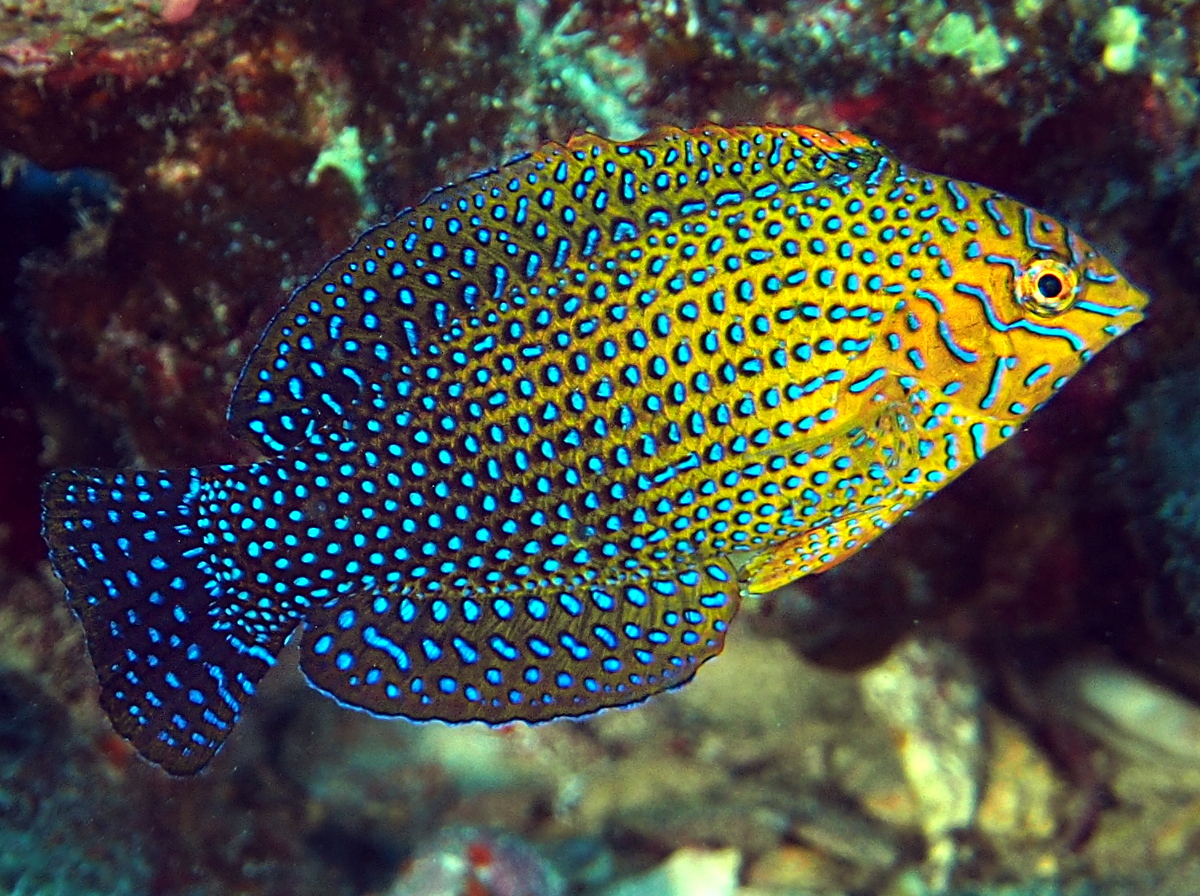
530 443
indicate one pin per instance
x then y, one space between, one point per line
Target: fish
528 446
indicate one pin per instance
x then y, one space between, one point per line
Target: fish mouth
1106 282
1123 308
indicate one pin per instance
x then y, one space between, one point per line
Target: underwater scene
599 448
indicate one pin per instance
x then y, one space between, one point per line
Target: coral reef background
998 697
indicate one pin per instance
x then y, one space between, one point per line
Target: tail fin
138 574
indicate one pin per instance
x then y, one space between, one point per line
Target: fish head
1033 302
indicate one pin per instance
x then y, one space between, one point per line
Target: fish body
529 444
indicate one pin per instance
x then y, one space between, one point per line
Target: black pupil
1049 285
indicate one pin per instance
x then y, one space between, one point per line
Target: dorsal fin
352 333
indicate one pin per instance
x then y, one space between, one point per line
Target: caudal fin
129 550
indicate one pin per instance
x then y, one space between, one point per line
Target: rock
1022 789
1131 713
1025 804
686 872
927 696
471 862
849 838
621 792
792 868
754 684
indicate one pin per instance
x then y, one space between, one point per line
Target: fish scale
531 442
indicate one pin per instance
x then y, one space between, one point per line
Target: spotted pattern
530 442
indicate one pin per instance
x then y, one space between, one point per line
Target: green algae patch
1120 30
982 49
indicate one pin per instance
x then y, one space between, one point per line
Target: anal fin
530 655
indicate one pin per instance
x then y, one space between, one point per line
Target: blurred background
998 697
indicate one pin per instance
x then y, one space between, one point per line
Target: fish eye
1047 287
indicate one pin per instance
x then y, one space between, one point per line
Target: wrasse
530 443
